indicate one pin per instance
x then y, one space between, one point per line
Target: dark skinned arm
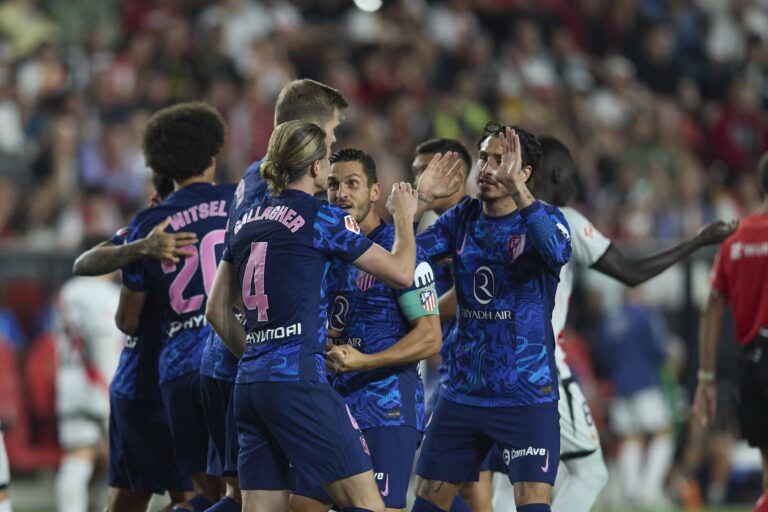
633 271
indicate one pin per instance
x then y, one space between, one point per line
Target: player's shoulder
143 222
331 216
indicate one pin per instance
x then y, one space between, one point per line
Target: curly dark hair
532 151
358 155
181 141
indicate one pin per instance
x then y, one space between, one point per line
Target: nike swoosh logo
385 492
545 467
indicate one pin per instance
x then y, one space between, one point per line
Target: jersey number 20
206 255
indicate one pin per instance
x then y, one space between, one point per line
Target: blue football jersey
181 290
136 376
282 248
368 315
506 271
218 362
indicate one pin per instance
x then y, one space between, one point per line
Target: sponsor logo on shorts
385 477
510 455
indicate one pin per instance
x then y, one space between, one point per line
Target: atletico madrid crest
516 245
364 280
427 300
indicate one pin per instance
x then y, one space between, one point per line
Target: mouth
487 182
344 206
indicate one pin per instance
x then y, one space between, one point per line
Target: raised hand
164 246
402 200
716 232
510 171
441 178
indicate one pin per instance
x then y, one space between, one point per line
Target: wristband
705 376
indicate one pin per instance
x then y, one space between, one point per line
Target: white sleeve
588 244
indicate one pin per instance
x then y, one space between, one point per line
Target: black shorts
753 390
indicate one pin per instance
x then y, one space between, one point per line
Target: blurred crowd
662 102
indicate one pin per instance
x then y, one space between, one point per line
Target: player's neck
370 222
499 207
206 177
305 184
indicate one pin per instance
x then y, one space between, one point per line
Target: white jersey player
89 346
5 476
582 473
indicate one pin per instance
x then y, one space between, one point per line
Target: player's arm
421 342
419 305
395 269
225 294
108 257
129 310
548 234
705 399
633 271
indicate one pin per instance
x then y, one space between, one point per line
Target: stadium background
663 103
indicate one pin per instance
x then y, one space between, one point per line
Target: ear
375 192
314 169
526 173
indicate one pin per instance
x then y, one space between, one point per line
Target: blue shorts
302 422
459 437
184 407
141 454
222 431
392 452
494 461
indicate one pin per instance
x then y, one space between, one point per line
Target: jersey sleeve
588 244
549 234
121 236
338 235
718 278
421 298
437 239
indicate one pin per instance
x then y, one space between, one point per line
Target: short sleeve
588 244
437 239
420 299
121 236
338 235
718 276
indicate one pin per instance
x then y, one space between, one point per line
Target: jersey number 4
253 279
205 255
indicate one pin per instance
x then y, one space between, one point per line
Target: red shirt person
740 279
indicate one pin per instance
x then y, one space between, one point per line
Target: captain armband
419 302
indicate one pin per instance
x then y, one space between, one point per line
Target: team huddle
273 356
